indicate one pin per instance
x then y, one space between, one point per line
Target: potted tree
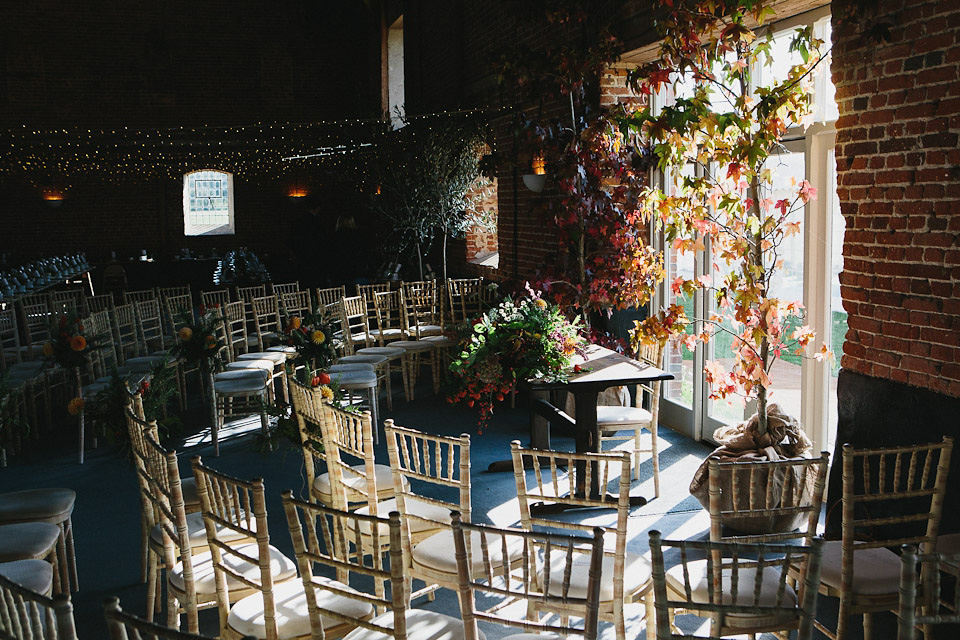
731 127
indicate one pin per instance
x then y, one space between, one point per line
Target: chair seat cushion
342 367
240 386
27 540
390 352
425 329
421 624
438 552
875 571
289 352
439 341
414 507
35 575
949 543
293 618
356 482
363 359
625 416
281 568
636 574
276 357
354 379
388 334
52 505
770 583
412 345
196 532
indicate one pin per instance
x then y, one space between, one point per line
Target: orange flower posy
78 343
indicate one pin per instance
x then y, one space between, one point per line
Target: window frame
192 228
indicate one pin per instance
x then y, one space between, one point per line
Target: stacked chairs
625 576
275 603
478 549
28 613
744 588
52 506
322 536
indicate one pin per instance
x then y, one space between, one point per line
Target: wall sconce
535 181
53 197
296 192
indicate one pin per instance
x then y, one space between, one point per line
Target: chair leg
152 571
654 452
144 547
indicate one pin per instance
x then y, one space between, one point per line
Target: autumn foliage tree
730 129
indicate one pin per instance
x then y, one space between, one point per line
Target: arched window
208 203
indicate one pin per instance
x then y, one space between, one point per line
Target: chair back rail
479 549
737 578
26 615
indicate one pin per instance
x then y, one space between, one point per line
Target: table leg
587 439
539 425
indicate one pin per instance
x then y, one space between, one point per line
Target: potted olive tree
731 127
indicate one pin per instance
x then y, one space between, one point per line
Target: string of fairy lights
253 152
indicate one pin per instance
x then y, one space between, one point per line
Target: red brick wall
898 166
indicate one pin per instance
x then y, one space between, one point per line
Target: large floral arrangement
197 339
312 338
68 346
516 340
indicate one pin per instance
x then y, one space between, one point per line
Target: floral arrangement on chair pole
516 340
199 344
312 338
70 349
732 130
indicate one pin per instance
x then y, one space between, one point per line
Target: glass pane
678 360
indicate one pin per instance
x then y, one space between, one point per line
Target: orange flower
211 342
48 349
78 343
185 334
295 322
75 406
540 302
317 337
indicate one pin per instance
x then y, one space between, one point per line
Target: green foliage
68 347
312 338
424 171
197 340
521 340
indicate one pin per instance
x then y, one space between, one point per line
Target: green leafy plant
731 129
516 340
312 338
197 339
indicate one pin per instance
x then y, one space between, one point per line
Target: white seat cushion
636 574
197 533
875 571
350 367
293 618
388 334
357 482
439 341
281 568
390 352
438 552
426 329
414 507
611 415
699 584
363 359
276 357
354 379
240 386
412 345
421 624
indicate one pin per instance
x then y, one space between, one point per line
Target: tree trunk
419 260
444 257
76 371
756 259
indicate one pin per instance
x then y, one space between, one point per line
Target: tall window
208 203
394 85
810 272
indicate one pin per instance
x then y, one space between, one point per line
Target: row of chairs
896 476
